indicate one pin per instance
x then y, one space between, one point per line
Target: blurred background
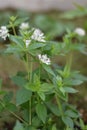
53 17
41 5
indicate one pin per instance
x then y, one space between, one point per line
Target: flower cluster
24 26
44 59
4 32
80 31
38 35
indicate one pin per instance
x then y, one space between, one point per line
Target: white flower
38 35
27 42
44 59
4 32
80 31
24 26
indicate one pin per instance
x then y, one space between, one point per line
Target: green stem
31 65
29 77
30 114
27 67
39 71
14 31
19 118
30 118
59 105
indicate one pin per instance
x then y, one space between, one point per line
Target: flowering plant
42 98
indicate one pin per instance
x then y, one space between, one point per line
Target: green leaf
36 46
54 127
25 111
30 128
80 47
11 107
62 90
70 90
35 85
23 96
41 112
82 124
77 75
41 95
18 80
18 40
48 69
54 108
36 80
68 121
18 126
61 95
32 87
45 87
13 49
8 97
71 113
13 18
74 82
36 122
67 68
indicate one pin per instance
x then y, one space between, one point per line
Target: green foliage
42 95
54 127
41 112
52 27
36 122
53 108
68 121
82 125
23 96
18 126
48 69
18 80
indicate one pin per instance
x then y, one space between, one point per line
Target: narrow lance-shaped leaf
70 90
71 113
48 69
36 46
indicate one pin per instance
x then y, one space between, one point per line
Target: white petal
80 31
